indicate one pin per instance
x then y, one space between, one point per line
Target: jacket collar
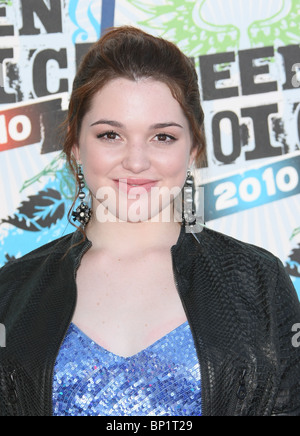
78 247
188 246
80 243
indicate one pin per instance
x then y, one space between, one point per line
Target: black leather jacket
239 301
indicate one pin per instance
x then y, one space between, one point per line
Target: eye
163 137
109 136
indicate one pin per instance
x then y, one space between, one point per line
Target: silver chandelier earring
192 218
189 209
83 212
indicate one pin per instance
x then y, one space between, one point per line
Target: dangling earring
189 209
83 213
193 219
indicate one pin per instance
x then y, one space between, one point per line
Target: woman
137 313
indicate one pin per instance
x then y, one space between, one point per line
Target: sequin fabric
163 380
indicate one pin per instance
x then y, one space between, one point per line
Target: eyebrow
121 126
164 125
110 123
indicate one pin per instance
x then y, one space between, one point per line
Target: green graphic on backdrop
216 26
281 29
295 233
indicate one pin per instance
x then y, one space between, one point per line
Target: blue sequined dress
163 380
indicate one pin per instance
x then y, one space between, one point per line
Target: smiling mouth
139 185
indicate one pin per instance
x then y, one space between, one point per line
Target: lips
135 186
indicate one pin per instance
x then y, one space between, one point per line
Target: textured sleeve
286 319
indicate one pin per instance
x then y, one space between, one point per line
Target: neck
132 238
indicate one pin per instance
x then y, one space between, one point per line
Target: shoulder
37 275
251 270
19 274
246 268
226 263
36 256
227 247
247 274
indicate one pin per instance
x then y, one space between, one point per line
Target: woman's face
135 148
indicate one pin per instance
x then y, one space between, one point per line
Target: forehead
125 99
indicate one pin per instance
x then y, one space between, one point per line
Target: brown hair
127 52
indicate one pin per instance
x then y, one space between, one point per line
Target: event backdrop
247 55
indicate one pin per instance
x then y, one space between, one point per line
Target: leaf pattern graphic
293 264
39 211
174 20
9 258
282 31
185 24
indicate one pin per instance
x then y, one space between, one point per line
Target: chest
127 304
134 279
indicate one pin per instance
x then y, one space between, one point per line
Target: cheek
176 169
95 168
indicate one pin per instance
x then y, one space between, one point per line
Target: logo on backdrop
252 109
35 79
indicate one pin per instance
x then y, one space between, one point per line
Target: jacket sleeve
287 320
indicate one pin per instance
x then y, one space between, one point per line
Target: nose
136 159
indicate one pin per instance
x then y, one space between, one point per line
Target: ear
193 155
76 152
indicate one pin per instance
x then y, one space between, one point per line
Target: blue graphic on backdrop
73 9
293 264
252 188
108 14
107 17
293 268
42 217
